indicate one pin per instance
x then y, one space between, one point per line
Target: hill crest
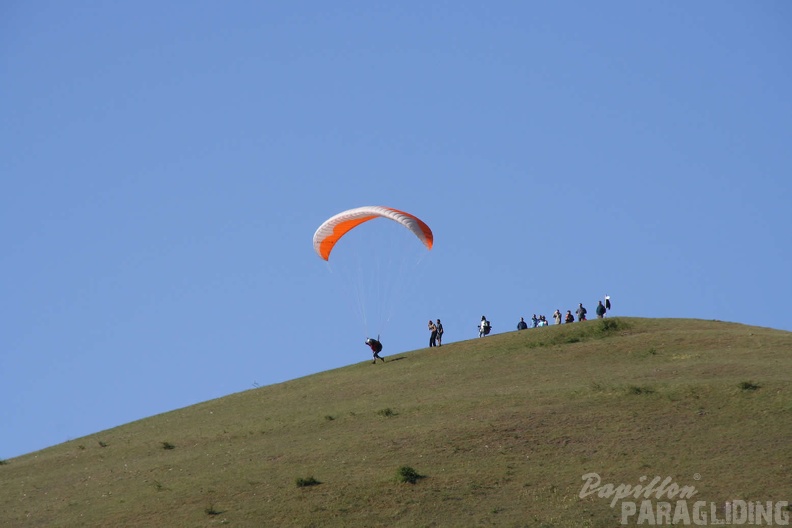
503 429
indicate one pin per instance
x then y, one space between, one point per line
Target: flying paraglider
333 229
376 262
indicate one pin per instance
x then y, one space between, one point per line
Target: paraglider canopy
334 228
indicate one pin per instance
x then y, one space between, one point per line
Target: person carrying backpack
376 348
484 327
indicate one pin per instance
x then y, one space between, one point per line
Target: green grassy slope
502 428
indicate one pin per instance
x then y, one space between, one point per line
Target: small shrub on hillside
212 510
634 389
387 412
408 474
748 386
329 418
3 462
168 446
609 326
305 482
102 444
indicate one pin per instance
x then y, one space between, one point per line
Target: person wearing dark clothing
600 310
432 334
581 312
569 318
376 348
522 325
607 302
534 321
439 327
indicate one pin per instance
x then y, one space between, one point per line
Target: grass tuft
212 510
635 389
386 412
408 475
607 327
168 445
306 482
748 386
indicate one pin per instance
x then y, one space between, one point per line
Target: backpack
487 327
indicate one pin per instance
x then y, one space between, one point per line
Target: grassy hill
501 429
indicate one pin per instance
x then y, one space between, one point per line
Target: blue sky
165 165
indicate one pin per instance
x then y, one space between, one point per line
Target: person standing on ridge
600 310
581 312
557 316
569 318
432 334
484 327
439 327
522 325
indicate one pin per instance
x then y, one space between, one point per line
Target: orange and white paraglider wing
331 231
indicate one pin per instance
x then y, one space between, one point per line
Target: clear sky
164 166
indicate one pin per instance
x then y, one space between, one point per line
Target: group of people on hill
537 321
581 312
484 326
435 339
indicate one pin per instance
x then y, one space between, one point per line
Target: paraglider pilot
376 348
